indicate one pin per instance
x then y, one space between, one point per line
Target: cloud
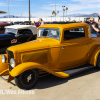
20 0
64 1
44 5
3 4
81 6
86 2
46 8
52 4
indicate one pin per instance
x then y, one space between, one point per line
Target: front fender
32 65
94 56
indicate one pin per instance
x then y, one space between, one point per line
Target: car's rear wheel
98 61
27 79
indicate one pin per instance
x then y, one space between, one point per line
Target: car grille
10 55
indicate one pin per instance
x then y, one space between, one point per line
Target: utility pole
8 8
29 10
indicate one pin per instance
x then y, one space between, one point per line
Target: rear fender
4 69
94 56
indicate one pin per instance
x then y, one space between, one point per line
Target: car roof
20 26
63 25
4 24
32 27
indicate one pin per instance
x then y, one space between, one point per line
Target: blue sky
44 8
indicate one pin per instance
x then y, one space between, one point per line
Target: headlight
3 58
12 62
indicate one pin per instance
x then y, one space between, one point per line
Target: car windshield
49 32
10 31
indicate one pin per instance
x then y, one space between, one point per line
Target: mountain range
87 15
12 16
83 15
70 15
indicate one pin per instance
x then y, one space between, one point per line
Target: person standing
93 27
99 17
29 23
41 21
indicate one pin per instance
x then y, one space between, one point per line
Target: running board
77 70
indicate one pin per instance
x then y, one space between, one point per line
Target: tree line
55 13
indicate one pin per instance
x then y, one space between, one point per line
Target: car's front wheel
27 79
98 61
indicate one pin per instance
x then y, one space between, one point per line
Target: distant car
86 20
18 23
37 24
11 23
2 27
3 22
54 21
27 23
47 22
17 34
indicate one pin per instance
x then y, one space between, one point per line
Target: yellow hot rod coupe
60 49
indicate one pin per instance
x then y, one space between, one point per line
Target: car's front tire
27 79
98 61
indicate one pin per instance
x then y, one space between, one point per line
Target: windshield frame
7 32
57 29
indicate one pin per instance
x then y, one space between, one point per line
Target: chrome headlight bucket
3 58
12 62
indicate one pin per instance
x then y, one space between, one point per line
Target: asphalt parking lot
83 86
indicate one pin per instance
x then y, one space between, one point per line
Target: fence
50 19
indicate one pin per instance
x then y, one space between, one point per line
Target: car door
24 35
74 48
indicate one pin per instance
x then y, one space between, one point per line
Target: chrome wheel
27 79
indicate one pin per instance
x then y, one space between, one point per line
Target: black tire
98 61
27 79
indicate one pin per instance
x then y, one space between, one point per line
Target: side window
21 32
28 32
74 33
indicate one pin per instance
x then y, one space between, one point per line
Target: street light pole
8 9
29 10
63 12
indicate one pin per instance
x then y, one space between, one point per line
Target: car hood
2 36
40 43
